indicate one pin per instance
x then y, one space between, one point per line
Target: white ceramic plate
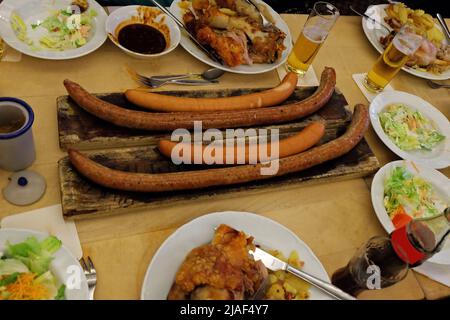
32 11
373 34
437 158
62 266
125 13
190 47
440 183
267 233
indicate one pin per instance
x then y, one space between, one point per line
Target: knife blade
275 264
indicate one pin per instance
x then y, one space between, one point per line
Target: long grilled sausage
143 182
219 119
166 103
294 144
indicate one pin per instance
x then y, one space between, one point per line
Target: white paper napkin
49 220
436 272
11 55
308 80
359 79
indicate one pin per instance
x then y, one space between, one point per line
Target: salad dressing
142 38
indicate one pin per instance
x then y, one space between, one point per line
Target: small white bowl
126 13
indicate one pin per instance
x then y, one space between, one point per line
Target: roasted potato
285 286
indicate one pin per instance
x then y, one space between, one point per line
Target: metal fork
153 82
91 275
436 85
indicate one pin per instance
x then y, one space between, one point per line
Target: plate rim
436 162
65 250
211 63
181 228
377 188
99 28
417 73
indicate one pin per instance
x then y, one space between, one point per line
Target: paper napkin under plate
49 220
436 272
359 79
10 54
308 80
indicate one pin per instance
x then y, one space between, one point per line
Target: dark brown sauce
142 38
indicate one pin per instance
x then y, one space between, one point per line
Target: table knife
275 264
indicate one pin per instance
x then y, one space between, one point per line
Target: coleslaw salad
406 193
25 270
63 30
409 129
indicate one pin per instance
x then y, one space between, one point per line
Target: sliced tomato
400 218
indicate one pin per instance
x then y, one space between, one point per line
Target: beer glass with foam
315 31
394 57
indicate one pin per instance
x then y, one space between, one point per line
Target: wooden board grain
81 130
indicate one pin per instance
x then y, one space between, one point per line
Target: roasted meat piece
222 270
425 55
234 30
231 46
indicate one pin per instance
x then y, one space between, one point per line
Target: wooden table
334 218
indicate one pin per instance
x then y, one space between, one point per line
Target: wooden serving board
81 130
82 198
135 150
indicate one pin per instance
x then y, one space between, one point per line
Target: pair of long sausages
167 103
168 121
143 182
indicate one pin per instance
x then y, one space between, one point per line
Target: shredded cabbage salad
409 129
25 273
412 194
65 29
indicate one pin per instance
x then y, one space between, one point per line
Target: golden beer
305 50
385 68
316 29
394 57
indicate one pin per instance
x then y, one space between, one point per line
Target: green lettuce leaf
36 255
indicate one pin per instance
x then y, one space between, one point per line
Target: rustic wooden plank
81 198
134 150
83 131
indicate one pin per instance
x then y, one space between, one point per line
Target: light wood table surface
333 218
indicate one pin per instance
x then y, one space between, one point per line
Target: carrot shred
26 288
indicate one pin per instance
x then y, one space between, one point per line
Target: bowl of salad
404 190
53 29
35 266
412 128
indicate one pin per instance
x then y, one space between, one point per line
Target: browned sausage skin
142 182
166 103
219 119
294 144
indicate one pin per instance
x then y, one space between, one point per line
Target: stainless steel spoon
210 74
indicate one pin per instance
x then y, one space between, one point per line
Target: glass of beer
315 31
394 57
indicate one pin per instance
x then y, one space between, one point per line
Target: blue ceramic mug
17 150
